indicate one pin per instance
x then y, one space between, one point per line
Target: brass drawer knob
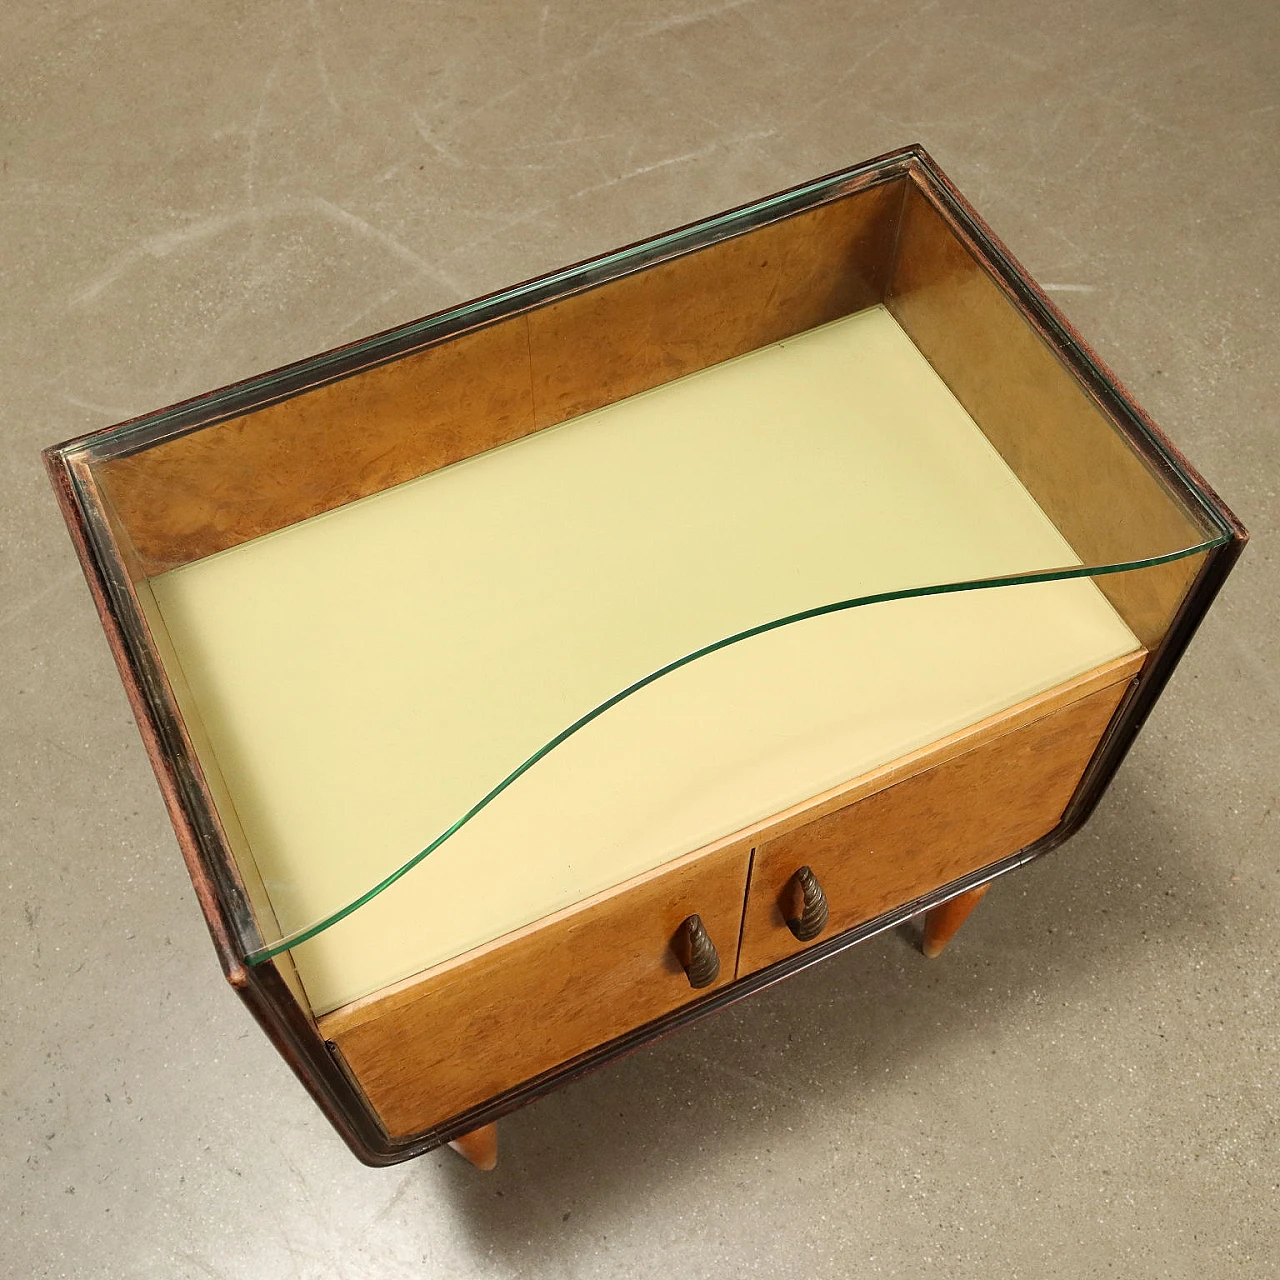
812 917
696 952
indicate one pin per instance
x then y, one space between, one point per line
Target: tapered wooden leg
941 923
480 1146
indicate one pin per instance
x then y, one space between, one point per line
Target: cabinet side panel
640 331
222 485
470 1029
1077 464
918 835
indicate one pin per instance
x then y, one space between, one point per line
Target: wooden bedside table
532 679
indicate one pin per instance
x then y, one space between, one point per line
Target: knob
696 952
812 918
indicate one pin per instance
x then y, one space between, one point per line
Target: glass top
745 559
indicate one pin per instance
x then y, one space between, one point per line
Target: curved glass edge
300 936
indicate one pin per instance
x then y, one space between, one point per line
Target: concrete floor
1086 1084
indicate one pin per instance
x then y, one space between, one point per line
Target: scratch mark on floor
743 1077
108 410
170 242
321 65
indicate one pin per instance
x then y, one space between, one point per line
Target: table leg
480 1147
941 923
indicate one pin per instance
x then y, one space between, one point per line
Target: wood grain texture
1121 669
224 484
941 924
469 1029
1083 472
899 843
221 485
642 330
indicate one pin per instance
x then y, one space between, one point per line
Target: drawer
922 833
457 1035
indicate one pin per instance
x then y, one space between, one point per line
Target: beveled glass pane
736 516
368 676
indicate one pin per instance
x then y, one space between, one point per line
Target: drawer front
924 832
431 1047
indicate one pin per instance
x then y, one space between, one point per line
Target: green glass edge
1016 580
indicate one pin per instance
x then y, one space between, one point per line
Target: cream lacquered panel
365 676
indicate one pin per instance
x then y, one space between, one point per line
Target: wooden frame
181 483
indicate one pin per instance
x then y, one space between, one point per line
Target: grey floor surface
1086 1084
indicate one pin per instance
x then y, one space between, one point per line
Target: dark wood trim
221 899
214 874
1150 685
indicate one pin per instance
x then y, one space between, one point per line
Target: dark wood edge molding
294 1035
214 875
131 661
1137 704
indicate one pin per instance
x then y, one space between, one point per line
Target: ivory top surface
366 676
